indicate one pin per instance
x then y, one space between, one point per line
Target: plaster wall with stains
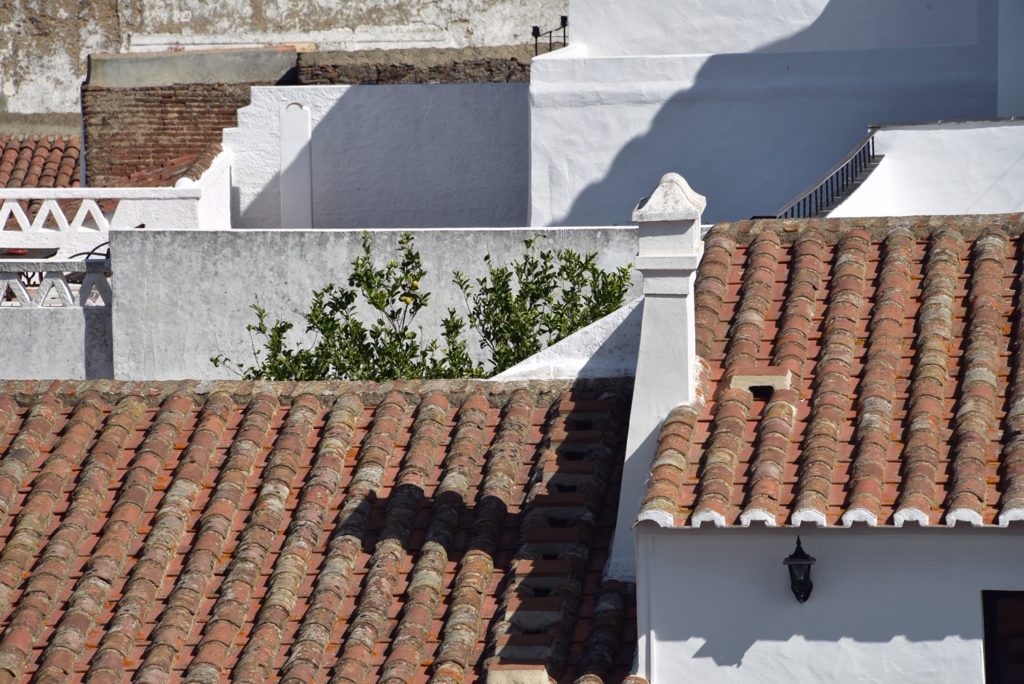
44 43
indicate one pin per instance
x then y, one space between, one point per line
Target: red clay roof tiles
310 532
33 161
904 340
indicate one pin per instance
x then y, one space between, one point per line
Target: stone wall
452 65
45 44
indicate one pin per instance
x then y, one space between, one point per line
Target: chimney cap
672 200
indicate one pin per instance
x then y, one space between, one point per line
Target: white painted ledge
905 515
808 516
859 515
659 518
607 348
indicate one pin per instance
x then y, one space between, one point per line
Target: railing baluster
537 35
827 193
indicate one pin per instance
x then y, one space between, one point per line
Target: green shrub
516 310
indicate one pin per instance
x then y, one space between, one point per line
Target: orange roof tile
307 531
33 161
904 342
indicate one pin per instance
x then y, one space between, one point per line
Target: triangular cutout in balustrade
90 217
54 291
13 292
50 217
11 208
95 290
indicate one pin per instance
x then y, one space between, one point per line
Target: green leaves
538 300
517 310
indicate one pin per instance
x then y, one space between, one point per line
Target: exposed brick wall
132 130
417 65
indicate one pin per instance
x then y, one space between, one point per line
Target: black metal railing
538 35
821 196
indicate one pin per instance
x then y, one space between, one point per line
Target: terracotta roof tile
311 532
36 161
191 165
903 338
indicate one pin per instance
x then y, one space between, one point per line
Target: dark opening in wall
1004 636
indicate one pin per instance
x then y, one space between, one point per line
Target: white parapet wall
944 168
187 296
384 156
751 117
655 27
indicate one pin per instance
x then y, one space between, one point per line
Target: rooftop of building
853 371
399 532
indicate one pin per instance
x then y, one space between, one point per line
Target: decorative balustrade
77 220
53 283
74 221
837 184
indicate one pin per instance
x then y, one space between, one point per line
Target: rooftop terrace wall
186 296
955 168
382 156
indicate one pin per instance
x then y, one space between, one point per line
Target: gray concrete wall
45 44
181 298
59 343
198 66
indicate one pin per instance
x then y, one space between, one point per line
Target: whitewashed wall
391 155
749 130
972 168
655 27
899 607
188 294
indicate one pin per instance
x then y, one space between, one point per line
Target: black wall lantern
799 564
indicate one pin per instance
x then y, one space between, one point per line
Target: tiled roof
32 161
904 339
185 166
307 532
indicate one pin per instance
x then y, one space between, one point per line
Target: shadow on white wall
756 128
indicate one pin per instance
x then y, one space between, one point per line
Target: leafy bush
516 310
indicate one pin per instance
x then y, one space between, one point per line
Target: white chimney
670 251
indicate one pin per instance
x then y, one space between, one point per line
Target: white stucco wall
749 130
214 210
655 27
900 606
182 297
391 155
968 168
